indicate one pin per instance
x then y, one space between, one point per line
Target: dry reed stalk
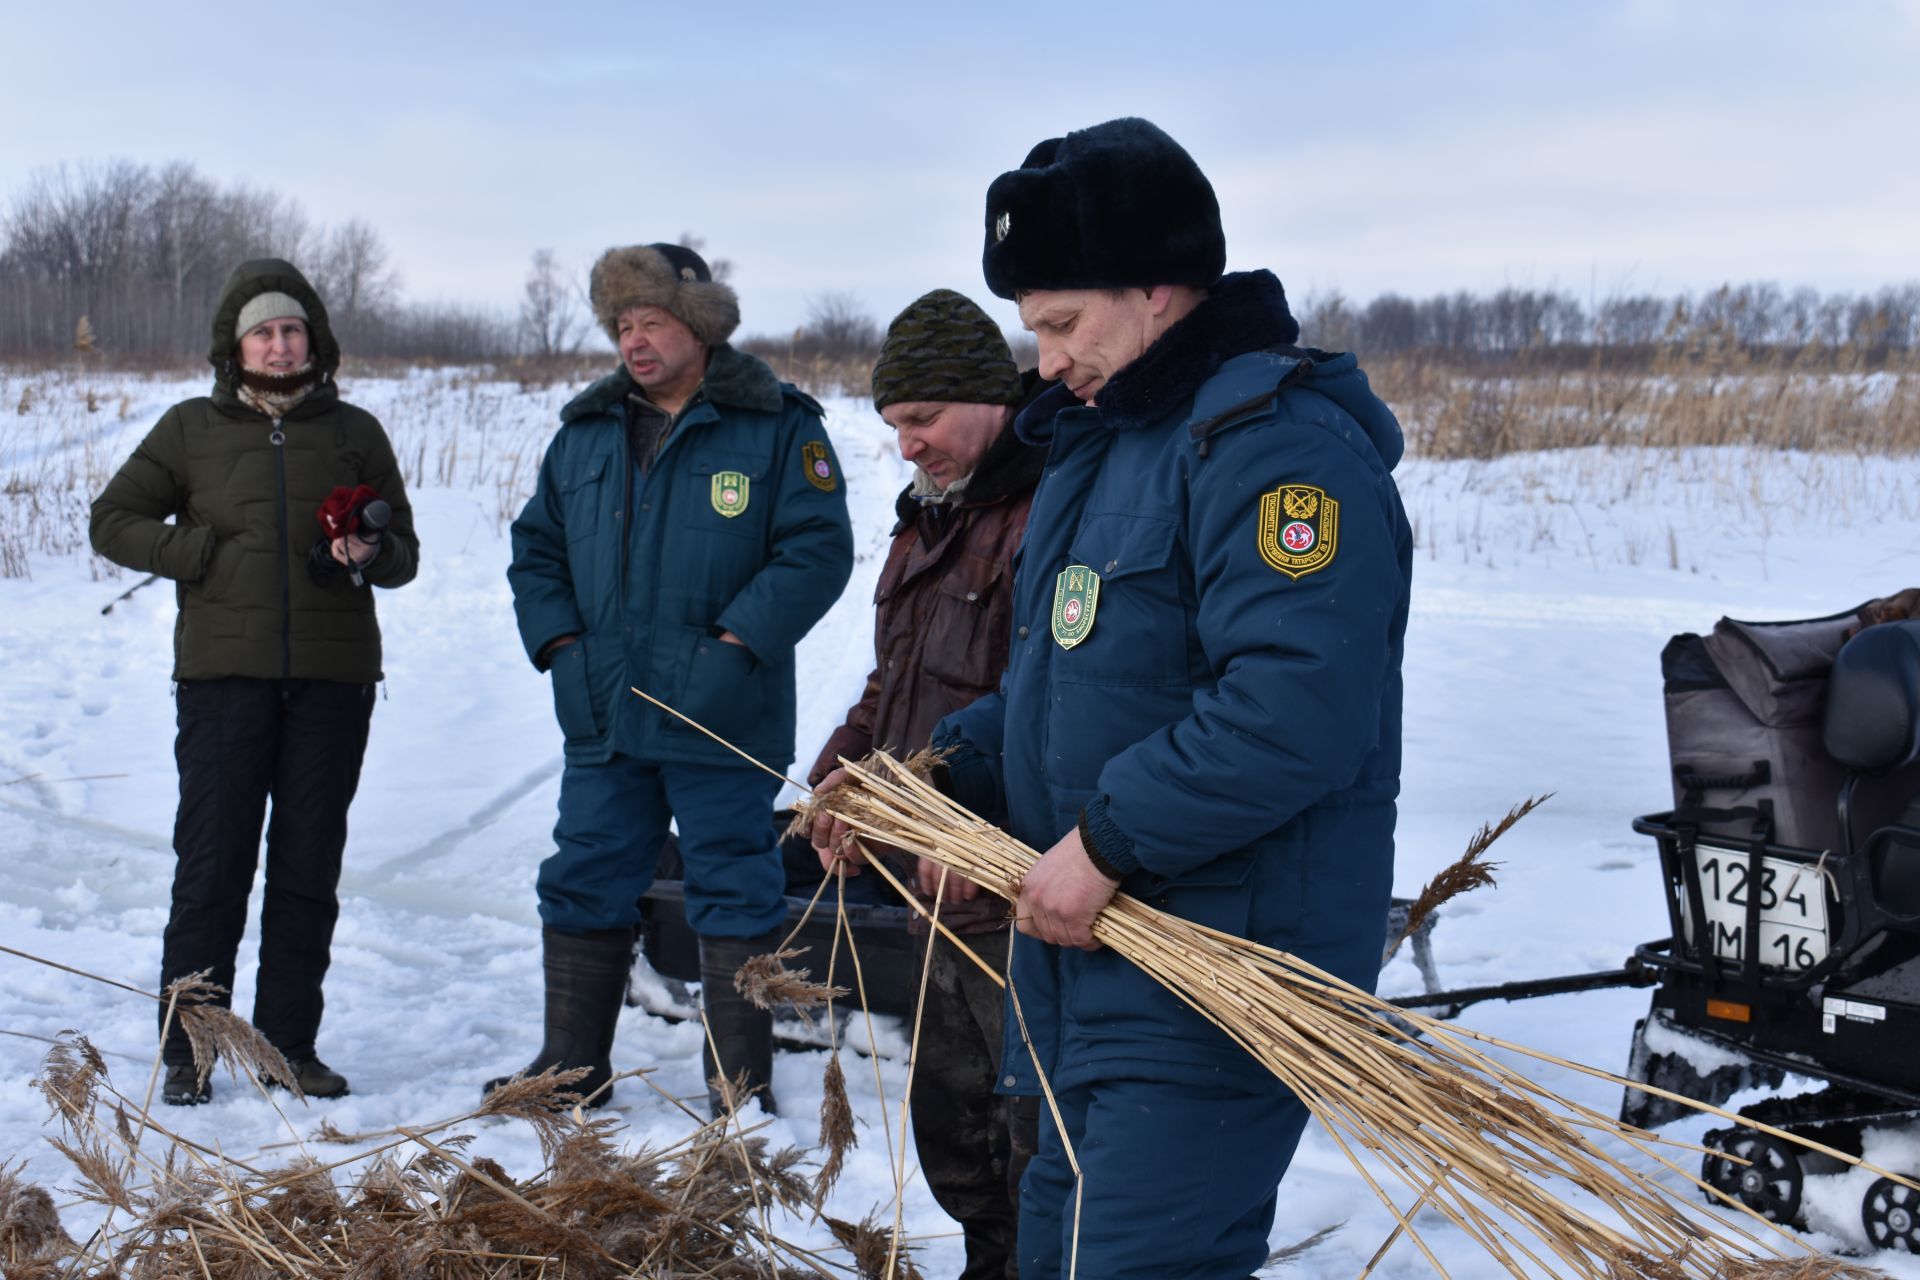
768 983
1466 873
837 1132
702 1208
876 1255
1474 1139
216 1032
860 986
1696 390
1298 1248
894 1253
595 1211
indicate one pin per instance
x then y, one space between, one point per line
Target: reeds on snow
593 1211
872 1247
413 1205
1490 1149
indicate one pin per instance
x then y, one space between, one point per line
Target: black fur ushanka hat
1114 206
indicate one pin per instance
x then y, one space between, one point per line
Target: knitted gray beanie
263 307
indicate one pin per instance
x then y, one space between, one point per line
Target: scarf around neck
276 394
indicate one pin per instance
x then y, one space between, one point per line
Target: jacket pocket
221 597
963 644
1217 894
222 565
726 689
729 493
1140 618
582 494
573 702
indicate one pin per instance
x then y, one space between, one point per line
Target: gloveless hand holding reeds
1545 1185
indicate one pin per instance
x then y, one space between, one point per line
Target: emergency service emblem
729 493
1076 594
1299 529
818 466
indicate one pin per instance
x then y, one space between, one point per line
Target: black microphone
370 523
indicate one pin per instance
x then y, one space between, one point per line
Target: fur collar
734 380
1246 311
741 381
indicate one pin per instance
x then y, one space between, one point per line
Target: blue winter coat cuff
967 776
1108 847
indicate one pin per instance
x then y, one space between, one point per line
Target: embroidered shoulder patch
818 465
1299 529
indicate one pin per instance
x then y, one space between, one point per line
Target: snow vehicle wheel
1768 1183
1891 1214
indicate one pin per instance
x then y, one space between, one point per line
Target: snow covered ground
1545 587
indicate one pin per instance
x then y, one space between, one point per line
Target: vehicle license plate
1793 907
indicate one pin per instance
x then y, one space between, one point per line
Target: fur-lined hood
248 281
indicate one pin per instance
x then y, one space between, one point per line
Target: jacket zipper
628 516
279 442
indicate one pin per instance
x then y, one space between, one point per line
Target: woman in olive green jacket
276 648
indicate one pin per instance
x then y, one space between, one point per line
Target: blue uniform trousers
613 820
1135 1222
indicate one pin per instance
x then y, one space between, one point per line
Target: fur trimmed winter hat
944 348
668 276
263 307
1115 206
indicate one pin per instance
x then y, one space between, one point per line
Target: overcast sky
1646 145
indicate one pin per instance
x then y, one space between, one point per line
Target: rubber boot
586 977
743 1034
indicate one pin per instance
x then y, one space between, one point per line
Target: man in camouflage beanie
949 387
943 347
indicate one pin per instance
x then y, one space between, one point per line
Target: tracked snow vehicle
1790 864
1795 945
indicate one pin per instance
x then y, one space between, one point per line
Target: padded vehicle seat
1873 726
1873 699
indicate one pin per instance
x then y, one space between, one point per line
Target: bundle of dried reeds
413 1203
417 1205
1470 1138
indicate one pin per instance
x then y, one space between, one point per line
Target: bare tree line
1760 316
141 253
1754 315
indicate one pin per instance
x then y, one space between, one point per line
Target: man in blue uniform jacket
1202 706
689 526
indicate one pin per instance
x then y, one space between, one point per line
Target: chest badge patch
818 466
1076 594
1299 529
730 492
